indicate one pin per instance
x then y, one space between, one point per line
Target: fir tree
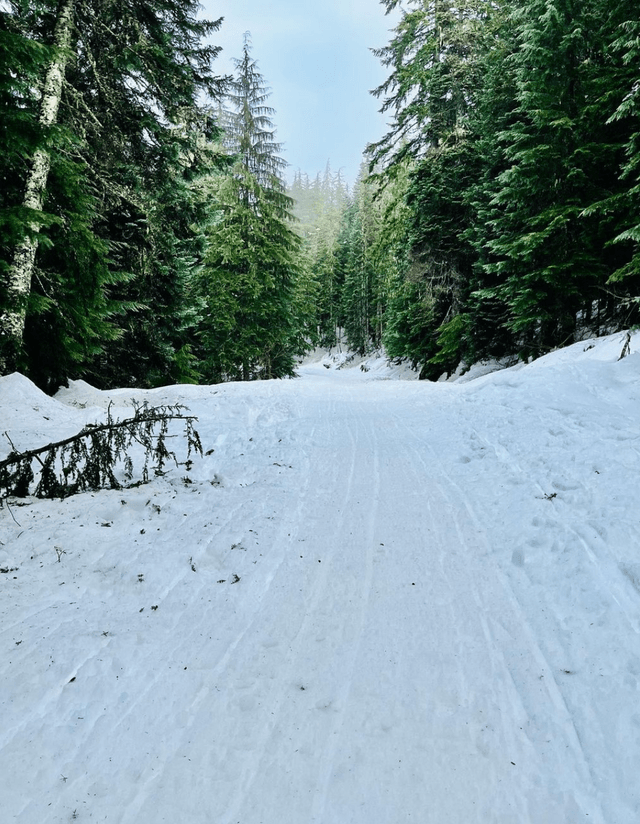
621 205
432 58
119 265
436 78
248 283
363 276
22 61
549 258
19 273
149 141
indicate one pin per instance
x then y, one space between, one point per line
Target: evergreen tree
363 274
621 205
248 283
436 60
520 119
483 329
320 208
18 274
148 142
22 61
126 148
432 57
547 256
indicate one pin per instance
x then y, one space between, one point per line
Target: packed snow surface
373 601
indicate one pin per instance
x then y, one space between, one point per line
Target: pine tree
621 206
436 79
548 257
126 150
248 283
19 273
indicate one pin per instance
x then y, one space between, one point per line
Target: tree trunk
19 276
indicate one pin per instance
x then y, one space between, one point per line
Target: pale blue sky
315 58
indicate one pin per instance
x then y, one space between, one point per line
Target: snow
377 601
375 363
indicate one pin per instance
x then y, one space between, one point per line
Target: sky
317 61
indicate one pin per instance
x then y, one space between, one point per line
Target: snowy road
375 602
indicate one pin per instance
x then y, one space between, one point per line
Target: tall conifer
117 265
250 328
549 259
436 78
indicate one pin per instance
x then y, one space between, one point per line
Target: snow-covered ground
375 601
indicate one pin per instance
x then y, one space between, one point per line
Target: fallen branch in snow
89 460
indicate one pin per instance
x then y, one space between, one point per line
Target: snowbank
371 601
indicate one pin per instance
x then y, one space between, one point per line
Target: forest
149 236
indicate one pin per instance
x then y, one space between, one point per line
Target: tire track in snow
310 626
209 692
371 501
457 501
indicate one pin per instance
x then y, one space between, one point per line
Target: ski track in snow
375 602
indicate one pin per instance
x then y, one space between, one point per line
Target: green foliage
363 276
111 294
439 252
547 255
487 335
248 285
350 241
70 317
501 213
434 75
437 59
319 208
521 224
149 140
21 62
624 203
411 326
99 456
450 342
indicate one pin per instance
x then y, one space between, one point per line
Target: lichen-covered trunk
19 275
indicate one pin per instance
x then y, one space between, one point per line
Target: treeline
145 230
351 265
147 235
501 214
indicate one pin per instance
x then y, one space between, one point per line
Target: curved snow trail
337 619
